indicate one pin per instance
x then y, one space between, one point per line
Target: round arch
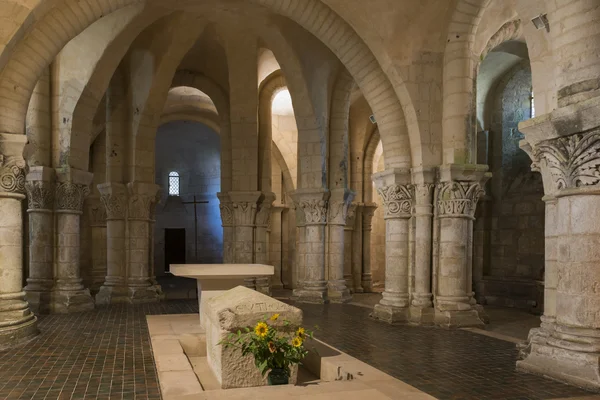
18 78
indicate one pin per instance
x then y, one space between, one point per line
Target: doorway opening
174 247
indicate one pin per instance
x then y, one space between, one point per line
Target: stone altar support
213 279
234 310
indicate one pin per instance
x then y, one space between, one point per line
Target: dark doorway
174 247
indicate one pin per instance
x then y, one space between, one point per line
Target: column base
337 292
71 301
17 332
310 296
358 289
458 319
112 295
142 295
568 366
422 315
367 283
481 313
263 286
349 283
39 300
389 314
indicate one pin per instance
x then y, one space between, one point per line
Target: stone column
366 279
567 345
40 195
339 202
114 198
275 246
142 200
297 248
97 213
357 249
17 322
226 208
421 306
397 194
261 243
456 199
244 205
69 295
348 230
311 207
151 267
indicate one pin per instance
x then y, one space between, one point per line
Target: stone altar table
213 279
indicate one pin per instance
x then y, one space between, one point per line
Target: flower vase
278 376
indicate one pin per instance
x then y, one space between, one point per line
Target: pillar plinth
566 347
69 294
397 194
142 198
40 196
456 199
17 322
114 199
311 210
340 200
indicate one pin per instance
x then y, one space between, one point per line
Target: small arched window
173 183
532 105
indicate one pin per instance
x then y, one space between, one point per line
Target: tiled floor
105 354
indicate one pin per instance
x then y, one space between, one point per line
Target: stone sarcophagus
234 310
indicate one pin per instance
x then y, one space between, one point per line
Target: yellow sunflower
297 342
274 317
261 329
300 332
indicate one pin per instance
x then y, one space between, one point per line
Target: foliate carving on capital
40 195
423 193
263 215
115 205
314 211
13 170
351 216
141 207
573 161
397 200
69 196
338 212
97 213
458 199
244 213
226 214
368 212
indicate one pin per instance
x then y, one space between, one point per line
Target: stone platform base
39 302
19 333
310 296
112 295
422 316
568 366
69 301
338 293
390 314
458 319
140 295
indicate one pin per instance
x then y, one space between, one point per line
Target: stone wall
515 253
192 150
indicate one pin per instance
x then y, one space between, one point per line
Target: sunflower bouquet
274 350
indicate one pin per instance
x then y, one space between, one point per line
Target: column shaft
357 251
366 278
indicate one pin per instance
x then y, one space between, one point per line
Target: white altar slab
213 279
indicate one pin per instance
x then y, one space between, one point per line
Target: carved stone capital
458 199
142 200
572 161
351 216
40 189
368 211
13 167
114 199
69 196
339 202
96 211
397 200
263 214
226 208
311 206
